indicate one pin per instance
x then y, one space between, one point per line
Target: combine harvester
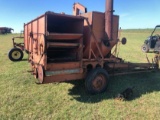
74 47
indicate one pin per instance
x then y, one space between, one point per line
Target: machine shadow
25 59
143 84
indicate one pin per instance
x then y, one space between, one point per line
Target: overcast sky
133 13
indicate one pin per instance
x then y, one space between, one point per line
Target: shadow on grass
143 84
79 93
21 60
24 59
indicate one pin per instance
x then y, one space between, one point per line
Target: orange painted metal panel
60 78
41 25
63 66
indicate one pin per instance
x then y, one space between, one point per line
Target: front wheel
15 54
97 81
145 48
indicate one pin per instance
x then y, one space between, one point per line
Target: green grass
21 98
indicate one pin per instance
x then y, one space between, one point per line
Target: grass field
21 98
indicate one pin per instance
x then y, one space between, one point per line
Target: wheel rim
99 82
144 48
16 54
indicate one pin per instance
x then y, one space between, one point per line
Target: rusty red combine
69 47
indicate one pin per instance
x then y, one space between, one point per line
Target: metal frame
19 45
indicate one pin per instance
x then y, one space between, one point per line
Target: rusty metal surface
77 7
68 45
109 18
19 45
63 66
99 82
63 72
63 36
61 78
37 27
55 44
95 35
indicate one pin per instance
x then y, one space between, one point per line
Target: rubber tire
145 48
89 81
12 57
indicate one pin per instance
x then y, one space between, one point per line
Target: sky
133 13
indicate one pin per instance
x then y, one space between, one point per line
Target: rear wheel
97 81
15 54
145 48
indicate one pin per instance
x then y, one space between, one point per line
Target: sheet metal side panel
41 25
64 15
39 34
26 45
29 28
98 28
87 34
62 66
35 19
37 26
34 29
115 27
34 40
98 25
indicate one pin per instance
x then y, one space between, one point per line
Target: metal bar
81 52
131 65
93 53
147 58
64 36
58 44
62 72
125 73
38 36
